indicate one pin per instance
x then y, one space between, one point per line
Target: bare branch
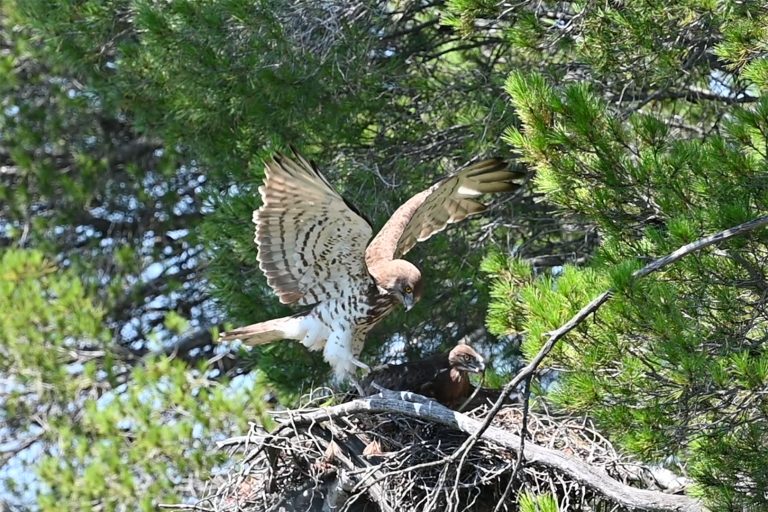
695 95
352 460
178 506
580 471
521 451
6 454
196 339
701 244
601 299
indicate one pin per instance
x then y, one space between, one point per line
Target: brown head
465 359
400 279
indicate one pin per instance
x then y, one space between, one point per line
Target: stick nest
388 461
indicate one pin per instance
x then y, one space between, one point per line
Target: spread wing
311 241
446 202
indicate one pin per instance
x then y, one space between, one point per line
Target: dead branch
601 299
581 472
419 466
531 368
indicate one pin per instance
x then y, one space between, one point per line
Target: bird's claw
358 386
361 365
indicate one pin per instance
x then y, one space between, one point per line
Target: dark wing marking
416 376
311 243
446 202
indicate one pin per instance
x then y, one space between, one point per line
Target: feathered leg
338 353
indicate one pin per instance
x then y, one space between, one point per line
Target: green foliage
510 275
80 184
133 134
540 503
148 439
461 14
674 364
63 317
144 430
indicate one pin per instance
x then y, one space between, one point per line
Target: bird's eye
407 289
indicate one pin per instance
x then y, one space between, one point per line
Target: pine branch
620 493
601 299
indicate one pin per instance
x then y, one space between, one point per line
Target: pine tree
659 142
122 433
132 142
132 135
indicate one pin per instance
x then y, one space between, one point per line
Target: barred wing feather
311 242
446 202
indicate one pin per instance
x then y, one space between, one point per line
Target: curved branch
419 407
601 299
624 495
590 308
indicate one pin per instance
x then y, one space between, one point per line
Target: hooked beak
408 301
477 366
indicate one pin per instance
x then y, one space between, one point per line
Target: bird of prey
316 250
441 376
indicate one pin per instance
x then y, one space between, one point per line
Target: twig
601 299
521 451
473 395
352 460
181 506
577 469
6 454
